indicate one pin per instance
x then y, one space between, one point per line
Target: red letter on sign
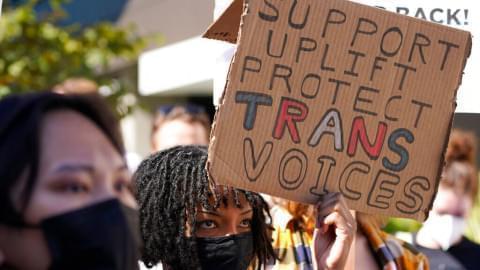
290 112
359 133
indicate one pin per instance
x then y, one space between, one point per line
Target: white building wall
174 21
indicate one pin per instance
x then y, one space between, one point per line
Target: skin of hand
334 233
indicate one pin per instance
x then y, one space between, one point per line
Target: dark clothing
464 255
466 252
440 260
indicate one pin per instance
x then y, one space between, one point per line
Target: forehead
228 198
179 132
68 136
181 126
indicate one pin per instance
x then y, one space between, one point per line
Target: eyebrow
74 168
210 213
218 215
82 168
247 211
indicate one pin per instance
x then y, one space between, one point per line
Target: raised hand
334 233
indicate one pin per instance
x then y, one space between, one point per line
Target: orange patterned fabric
291 241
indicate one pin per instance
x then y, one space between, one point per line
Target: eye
74 187
123 186
246 223
207 224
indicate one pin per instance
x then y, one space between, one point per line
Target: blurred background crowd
147 60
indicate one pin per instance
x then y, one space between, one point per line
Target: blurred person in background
445 227
65 191
76 86
180 125
187 222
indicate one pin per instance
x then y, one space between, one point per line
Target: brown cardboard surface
331 95
227 26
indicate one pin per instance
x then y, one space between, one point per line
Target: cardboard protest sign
462 14
332 95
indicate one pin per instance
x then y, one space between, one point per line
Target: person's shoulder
406 246
467 252
410 256
465 245
439 259
469 243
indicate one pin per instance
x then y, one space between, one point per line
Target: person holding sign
189 223
372 248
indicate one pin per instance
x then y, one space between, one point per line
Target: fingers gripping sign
334 233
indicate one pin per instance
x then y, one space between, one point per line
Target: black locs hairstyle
21 118
170 184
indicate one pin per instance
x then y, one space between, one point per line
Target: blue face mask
234 252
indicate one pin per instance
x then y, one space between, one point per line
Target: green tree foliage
37 54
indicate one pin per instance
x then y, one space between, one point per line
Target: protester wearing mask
65 196
189 223
446 224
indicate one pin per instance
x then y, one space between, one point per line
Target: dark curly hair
169 186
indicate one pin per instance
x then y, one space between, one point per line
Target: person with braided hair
187 222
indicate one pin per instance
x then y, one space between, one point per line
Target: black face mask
102 236
233 252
